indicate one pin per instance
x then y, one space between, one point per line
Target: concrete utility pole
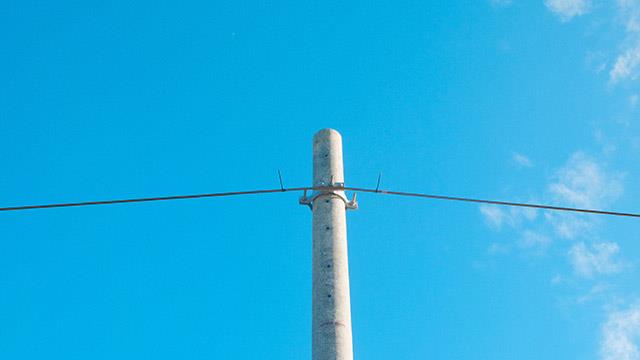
331 324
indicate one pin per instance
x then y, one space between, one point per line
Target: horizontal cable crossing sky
295 189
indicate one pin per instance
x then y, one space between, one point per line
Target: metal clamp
331 190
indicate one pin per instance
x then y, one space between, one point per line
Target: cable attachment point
353 204
331 190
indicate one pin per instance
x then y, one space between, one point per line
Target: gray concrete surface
331 324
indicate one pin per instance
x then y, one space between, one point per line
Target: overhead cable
355 189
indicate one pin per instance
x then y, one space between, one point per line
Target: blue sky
514 100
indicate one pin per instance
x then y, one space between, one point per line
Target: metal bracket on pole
332 190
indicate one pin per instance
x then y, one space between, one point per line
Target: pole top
328 172
327 133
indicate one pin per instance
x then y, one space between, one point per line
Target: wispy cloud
497 248
629 13
599 258
583 182
593 293
496 216
493 215
534 241
568 9
597 61
620 335
569 226
521 160
627 65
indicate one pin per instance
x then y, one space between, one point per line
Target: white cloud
557 279
620 335
624 65
522 160
497 248
629 11
627 65
599 259
496 216
583 182
527 213
534 240
493 215
597 61
567 9
593 293
569 226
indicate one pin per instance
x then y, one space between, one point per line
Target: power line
496 202
149 199
356 189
